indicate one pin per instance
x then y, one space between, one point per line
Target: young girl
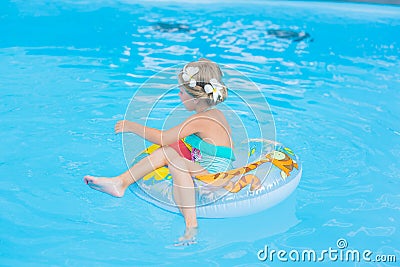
201 89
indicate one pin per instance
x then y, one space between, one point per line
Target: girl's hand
123 126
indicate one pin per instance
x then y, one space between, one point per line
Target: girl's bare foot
189 238
111 186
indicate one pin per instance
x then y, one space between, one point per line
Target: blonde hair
207 70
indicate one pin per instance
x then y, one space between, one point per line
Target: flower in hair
214 87
188 73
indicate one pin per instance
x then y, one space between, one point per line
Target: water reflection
294 36
171 27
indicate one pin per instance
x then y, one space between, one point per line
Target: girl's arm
191 125
151 134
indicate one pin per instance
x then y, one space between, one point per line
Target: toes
88 179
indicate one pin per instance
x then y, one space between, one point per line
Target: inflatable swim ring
264 174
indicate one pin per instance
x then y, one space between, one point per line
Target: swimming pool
69 69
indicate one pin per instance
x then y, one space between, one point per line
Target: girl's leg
183 190
116 186
184 196
182 171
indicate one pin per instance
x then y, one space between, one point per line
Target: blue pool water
68 70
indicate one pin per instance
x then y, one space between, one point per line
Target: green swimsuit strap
210 149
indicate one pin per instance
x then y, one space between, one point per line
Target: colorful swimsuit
213 158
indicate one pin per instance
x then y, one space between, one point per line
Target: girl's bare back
216 129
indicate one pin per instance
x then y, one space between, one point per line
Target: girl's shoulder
214 116
212 113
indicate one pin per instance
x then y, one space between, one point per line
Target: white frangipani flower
214 87
188 73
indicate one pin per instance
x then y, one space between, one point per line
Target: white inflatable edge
237 208
251 205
